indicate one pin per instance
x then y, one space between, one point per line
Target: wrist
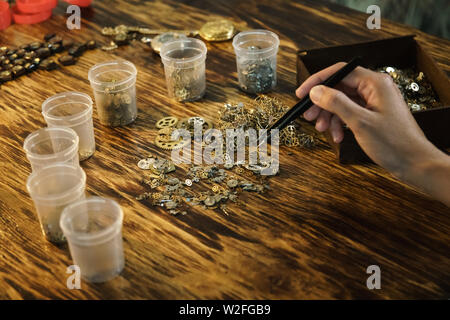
431 173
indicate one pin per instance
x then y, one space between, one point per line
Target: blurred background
431 16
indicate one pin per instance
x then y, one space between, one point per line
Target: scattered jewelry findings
260 114
159 40
208 186
216 30
39 55
415 88
213 186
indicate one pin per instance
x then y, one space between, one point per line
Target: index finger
352 80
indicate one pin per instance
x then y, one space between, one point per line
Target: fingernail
336 139
316 93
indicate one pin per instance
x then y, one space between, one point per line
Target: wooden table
312 236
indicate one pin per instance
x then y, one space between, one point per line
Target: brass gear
170 145
166 122
187 123
165 134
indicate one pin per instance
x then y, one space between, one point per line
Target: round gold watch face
159 40
217 30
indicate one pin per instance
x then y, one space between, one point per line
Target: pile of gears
167 126
212 186
415 88
208 186
260 114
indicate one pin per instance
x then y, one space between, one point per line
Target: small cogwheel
165 134
170 145
156 196
204 175
239 170
188 123
166 122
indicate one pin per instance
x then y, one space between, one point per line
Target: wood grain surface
312 236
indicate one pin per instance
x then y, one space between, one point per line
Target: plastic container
114 86
50 145
36 6
184 66
5 15
29 18
72 110
80 3
93 228
256 60
52 189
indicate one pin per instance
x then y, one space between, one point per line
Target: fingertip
338 137
308 115
312 113
321 125
300 92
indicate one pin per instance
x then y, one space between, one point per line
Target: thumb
337 102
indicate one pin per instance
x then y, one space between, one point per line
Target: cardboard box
400 52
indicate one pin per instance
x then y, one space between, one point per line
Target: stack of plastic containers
32 11
91 226
5 15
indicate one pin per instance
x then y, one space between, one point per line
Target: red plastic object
35 6
25 18
5 15
81 3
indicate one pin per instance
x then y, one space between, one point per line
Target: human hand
373 108
371 105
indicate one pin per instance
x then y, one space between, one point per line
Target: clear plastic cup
73 110
53 188
114 86
50 145
93 228
256 60
184 66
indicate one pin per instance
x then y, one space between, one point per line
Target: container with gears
114 86
256 60
184 66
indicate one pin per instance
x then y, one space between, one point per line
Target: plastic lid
246 39
30 18
5 15
70 182
194 49
81 3
46 133
105 213
60 100
35 6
